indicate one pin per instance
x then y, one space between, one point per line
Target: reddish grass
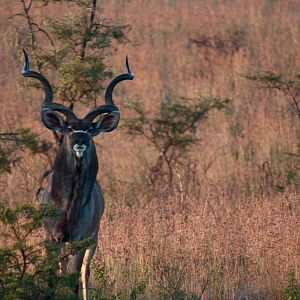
239 249
235 235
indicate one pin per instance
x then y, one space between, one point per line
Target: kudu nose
79 146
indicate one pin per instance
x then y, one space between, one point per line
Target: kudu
72 186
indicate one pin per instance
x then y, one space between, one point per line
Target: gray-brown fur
72 186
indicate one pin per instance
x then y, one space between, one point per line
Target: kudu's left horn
48 100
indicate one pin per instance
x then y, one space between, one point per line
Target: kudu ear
52 120
107 122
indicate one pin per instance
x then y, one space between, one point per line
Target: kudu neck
70 171
72 183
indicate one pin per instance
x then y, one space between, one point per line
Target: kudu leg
74 266
85 271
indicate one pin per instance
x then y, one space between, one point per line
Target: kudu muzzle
80 141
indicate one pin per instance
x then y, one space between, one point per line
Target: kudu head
78 132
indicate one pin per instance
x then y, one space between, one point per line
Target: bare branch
87 35
29 21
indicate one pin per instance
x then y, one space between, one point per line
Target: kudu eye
69 128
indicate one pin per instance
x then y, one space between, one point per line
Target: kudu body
72 186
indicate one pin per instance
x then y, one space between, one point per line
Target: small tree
74 46
290 89
24 138
24 272
172 131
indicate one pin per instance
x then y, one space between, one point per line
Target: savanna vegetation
201 178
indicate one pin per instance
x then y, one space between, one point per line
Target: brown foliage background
235 234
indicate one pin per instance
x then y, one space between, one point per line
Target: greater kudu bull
72 185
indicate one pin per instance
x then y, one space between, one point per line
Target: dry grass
235 236
222 250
